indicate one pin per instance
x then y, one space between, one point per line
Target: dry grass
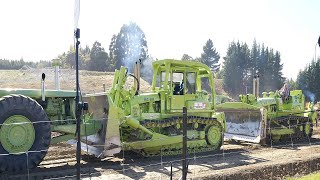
90 81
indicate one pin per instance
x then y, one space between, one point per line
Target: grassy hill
90 81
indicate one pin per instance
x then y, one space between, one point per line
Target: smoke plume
131 45
134 51
310 95
147 70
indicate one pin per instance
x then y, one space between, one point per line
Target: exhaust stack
43 96
139 71
256 86
57 77
135 73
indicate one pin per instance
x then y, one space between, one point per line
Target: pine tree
241 65
70 58
254 56
186 57
232 72
307 81
98 58
112 56
246 65
84 57
210 56
277 68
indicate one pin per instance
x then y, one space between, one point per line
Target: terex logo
200 105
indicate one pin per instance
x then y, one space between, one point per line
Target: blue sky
42 29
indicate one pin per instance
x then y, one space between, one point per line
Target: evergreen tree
67 59
254 55
98 58
241 65
292 85
245 64
261 67
186 57
112 57
269 68
84 57
70 58
210 56
232 73
307 81
6 64
277 70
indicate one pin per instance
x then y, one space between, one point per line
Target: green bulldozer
275 117
121 119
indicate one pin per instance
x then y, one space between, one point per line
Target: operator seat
176 90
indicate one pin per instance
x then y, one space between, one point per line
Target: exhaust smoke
310 95
147 70
133 45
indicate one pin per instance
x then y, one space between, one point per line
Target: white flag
76 13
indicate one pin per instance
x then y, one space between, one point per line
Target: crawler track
295 123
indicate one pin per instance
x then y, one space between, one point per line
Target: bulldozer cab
179 84
182 88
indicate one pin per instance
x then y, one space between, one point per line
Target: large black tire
29 108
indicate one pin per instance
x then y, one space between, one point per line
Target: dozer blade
106 142
244 122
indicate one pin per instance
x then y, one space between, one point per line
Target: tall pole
184 144
78 105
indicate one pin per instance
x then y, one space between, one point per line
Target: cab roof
197 66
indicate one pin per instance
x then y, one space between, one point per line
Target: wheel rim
214 136
17 138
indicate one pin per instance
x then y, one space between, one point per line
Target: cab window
191 83
177 83
160 79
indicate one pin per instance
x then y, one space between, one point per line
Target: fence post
170 170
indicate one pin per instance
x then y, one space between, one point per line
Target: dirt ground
245 161
235 161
